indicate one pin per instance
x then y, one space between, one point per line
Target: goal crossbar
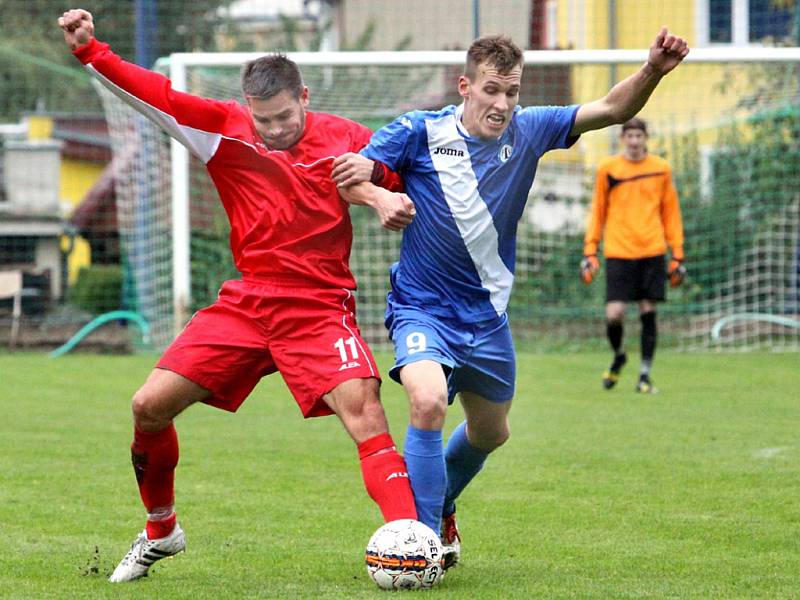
456 57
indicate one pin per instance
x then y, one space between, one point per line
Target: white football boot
451 542
144 553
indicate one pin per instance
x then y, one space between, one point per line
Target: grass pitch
692 493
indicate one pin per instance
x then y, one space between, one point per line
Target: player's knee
498 439
615 313
358 399
492 438
147 414
428 409
502 436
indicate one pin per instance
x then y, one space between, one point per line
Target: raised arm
628 97
195 122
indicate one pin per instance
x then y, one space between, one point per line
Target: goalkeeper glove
589 267
676 272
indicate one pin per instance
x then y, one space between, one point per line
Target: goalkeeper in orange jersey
635 212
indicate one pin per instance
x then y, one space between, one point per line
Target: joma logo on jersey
448 151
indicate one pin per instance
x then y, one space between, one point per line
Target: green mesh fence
88 234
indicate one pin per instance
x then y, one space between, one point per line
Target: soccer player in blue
468 170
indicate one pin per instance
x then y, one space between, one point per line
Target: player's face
489 100
634 142
280 120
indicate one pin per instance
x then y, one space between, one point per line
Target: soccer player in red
293 309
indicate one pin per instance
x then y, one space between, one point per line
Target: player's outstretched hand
667 52
78 27
395 210
351 168
589 268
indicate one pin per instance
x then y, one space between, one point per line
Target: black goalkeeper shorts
637 279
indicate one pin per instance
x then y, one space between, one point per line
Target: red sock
386 477
162 528
154 457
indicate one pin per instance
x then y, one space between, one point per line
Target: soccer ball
405 555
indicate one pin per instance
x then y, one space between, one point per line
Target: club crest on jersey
505 152
448 151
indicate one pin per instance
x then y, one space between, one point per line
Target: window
742 22
17 251
768 21
720 21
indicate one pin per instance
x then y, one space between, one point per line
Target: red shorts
254 329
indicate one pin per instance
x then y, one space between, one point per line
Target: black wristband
378 173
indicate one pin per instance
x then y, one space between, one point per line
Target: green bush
98 289
752 184
212 264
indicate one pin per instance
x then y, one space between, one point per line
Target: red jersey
288 222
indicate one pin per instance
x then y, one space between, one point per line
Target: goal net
727 121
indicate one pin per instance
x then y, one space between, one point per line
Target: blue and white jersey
457 256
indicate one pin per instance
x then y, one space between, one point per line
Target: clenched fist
78 27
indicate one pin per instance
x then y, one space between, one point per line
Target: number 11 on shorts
343 345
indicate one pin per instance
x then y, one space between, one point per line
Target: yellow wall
639 22
596 23
77 178
40 127
80 256
690 98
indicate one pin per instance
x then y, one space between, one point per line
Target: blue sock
425 462
464 461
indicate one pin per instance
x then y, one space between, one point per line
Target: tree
36 70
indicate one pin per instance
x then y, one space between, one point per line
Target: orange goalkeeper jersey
635 210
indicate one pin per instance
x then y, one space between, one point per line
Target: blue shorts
477 357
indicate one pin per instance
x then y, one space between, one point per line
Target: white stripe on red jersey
288 222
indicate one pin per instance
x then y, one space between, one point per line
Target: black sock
614 332
649 336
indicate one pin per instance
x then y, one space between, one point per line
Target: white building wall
433 24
